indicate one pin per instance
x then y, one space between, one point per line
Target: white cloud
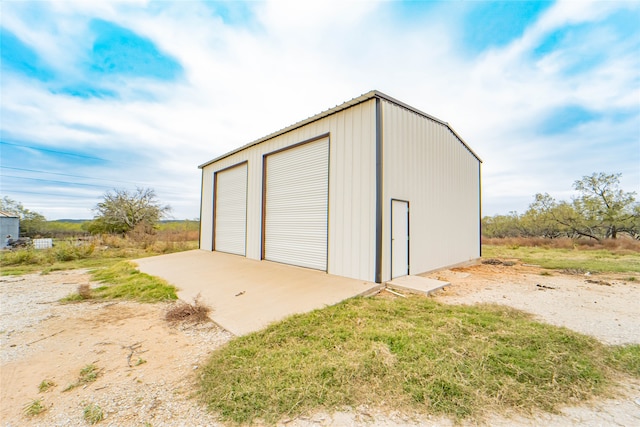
296 59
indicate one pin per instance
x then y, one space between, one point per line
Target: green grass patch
595 261
46 385
124 281
88 374
411 354
626 358
69 255
34 408
92 413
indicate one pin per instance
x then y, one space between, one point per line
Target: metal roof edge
355 101
430 117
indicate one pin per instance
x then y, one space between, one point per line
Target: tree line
600 210
120 212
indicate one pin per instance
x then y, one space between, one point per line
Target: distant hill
80 221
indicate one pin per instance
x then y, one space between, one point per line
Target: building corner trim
200 215
379 201
480 207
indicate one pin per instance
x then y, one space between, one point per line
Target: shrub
21 256
93 413
46 385
34 408
84 291
70 252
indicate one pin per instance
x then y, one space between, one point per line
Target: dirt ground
147 367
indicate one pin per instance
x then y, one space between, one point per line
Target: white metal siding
206 210
427 165
297 185
352 196
230 210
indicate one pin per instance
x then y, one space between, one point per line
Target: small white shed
9 226
372 189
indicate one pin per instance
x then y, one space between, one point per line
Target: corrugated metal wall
425 164
206 210
9 226
352 195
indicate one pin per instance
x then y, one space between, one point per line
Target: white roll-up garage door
296 205
230 228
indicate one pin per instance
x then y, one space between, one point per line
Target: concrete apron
245 294
417 284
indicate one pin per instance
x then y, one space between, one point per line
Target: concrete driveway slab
245 294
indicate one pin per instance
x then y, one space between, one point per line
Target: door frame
406 202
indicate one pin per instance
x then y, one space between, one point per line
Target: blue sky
102 95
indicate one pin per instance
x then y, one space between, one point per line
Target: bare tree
121 211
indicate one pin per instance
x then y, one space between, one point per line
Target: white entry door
399 238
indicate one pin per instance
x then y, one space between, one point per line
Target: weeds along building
372 189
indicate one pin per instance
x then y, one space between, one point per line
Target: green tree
501 225
546 217
32 224
121 211
603 204
600 210
632 226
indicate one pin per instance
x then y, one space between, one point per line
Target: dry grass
84 291
90 252
621 255
621 245
197 312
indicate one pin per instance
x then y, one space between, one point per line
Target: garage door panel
231 210
297 187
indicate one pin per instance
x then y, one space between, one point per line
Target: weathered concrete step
417 284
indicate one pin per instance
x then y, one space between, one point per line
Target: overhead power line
67 196
90 177
54 181
66 153
102 187
65 174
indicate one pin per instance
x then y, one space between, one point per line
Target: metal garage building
372 189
